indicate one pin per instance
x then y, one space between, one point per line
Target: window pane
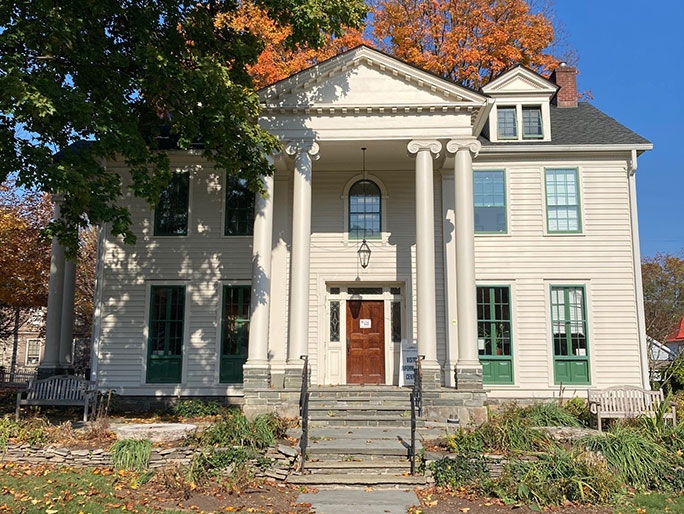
166 320
562 200
239 207
334 321
489 198
171 213
532 122
364 210
507 124
493 321
396 322
236 306
569 321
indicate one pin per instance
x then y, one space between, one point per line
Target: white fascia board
522 148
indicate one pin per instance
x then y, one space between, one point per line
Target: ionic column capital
473 145
294 148
431 145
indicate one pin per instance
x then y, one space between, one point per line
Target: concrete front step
368 411
357 479
339 448
323 420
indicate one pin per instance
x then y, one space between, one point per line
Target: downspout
638 284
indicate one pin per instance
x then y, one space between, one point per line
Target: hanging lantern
364 254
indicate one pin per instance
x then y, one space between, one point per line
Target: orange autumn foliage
468 41
277 61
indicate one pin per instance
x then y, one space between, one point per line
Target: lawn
652 503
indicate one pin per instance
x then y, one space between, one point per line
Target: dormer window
507 122
532 122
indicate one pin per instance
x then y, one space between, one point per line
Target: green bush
234 429
459 470
557 477
196 409
550 414
465 442
579 409
635 457
32 431
511 431
209 463
132 454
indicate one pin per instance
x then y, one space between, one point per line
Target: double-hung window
569 332
239 207
235 333
171 212
532 122
507 122
563 201
494 336
33 347
489 198
165 338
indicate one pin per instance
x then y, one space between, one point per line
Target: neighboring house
31 341
675 341
519 276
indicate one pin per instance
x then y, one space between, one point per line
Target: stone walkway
360 501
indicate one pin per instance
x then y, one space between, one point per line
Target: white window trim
560 166
507 189
518 103
384 233
40 350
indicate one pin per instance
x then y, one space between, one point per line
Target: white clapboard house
493 233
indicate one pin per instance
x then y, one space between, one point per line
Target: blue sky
631 57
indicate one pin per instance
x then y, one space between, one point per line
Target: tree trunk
15 345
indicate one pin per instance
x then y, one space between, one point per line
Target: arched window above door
365 210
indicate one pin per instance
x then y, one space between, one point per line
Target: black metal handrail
304 410
412 450
418 385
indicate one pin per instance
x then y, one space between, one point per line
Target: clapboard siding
526 258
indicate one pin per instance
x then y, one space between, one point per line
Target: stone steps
323 420
378 480
379 465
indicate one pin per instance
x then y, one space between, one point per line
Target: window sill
564 234
494 234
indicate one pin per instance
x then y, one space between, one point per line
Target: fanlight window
364 210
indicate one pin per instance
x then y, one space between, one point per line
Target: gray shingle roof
584 125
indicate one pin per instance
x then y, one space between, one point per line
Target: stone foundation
468 407
283 402
469 378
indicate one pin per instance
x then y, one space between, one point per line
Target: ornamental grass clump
196 409
550 414
131 454
512 431
234 429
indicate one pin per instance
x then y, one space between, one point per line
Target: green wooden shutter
234 333
569 335
165 337
494 334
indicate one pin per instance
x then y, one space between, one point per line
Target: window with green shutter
239 207
235 333
569 332
562 201
489 199
171 212
494 335
165 337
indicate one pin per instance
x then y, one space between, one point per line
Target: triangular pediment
520 80
365 78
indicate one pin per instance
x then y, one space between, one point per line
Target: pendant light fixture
364 250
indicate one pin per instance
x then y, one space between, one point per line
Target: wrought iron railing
412 449
304 410
19 379
418 385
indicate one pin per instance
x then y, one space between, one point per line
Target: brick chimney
566 78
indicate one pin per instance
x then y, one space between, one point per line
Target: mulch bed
441 501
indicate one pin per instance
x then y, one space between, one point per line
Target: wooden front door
365 342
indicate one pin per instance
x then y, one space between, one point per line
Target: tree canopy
663 279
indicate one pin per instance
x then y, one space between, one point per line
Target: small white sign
582 352
409 355
480 343
364 323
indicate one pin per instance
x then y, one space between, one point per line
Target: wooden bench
60 390
626 402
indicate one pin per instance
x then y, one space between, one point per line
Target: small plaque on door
364 323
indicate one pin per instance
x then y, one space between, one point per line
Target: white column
66 339
468 368
425 151
261 277
55 298
304 153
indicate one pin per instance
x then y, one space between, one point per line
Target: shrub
210 463
550 414
234 429
32 431
465 442
196 409
635 457
459 470
579 409
511 430
133 454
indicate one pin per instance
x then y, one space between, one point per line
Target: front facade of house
501 226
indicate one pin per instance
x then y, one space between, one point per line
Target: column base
256 377
293 378
51 370
469 377
432 377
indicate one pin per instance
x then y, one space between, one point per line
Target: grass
651 503
131 454
41 490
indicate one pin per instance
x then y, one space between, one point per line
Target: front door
365 342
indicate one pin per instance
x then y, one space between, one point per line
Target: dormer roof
520 81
